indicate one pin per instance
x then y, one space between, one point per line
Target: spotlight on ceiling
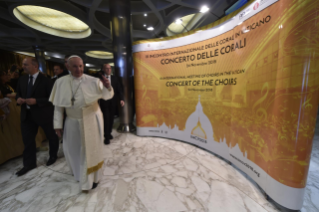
145 14
150 28
179 21
144 25
204 9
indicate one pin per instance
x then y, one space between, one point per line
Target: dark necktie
30 85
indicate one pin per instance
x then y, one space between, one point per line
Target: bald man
33 92
109 107
77 94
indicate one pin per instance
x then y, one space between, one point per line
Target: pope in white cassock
78 94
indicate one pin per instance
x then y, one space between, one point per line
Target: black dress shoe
25 169
106 141
110 137
94 185
51 161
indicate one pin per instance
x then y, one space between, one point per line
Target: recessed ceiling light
179 21
150 28
204 9
145 14
52 21
144 25
99 54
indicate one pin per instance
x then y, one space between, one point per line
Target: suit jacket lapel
112 81
36 82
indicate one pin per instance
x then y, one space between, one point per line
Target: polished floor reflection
144 174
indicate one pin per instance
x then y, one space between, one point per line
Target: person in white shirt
78 94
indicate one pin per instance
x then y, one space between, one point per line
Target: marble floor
144 174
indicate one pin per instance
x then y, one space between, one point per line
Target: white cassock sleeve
58 117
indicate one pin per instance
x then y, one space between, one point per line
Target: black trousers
108 110
29 129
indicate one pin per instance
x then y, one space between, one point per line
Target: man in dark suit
33 92
58 72
108 107
66 68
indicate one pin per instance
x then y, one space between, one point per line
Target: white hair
73 56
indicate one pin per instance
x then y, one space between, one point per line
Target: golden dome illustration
199 131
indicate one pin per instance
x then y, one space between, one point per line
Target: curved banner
246 89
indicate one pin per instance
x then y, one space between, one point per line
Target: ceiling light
145 14
54 54
89 65
204 9
31 54
150 28
94 69
100 54
52 21
144 25
179 27
179 21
